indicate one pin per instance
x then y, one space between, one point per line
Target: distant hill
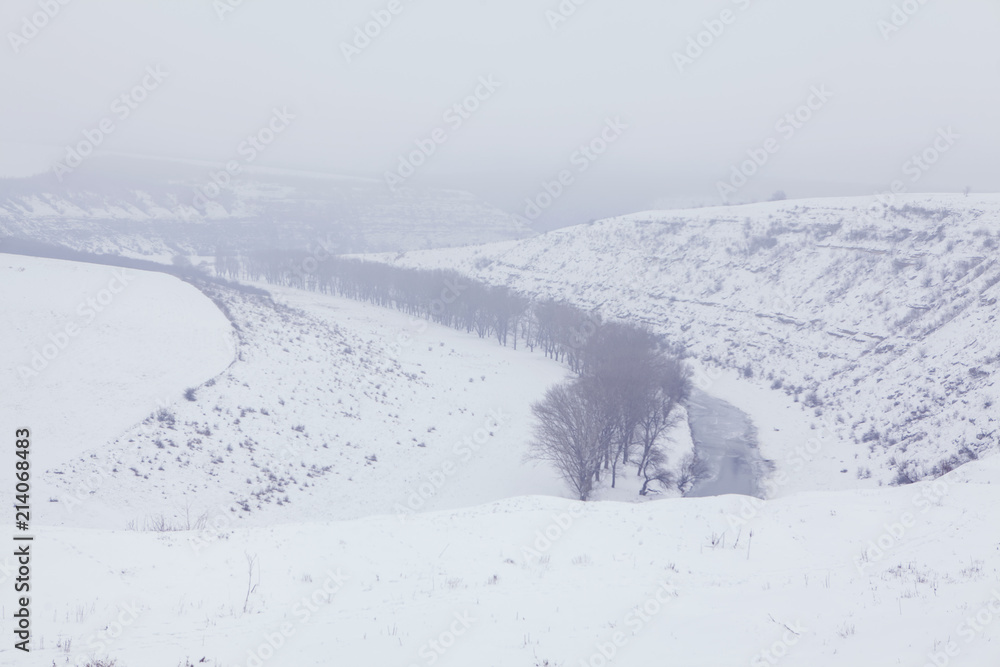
152 208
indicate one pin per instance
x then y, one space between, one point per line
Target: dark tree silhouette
568 434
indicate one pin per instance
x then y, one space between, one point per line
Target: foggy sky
560 83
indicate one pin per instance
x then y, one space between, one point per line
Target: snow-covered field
90 350
899 576
333 410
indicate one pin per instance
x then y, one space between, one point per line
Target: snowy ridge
153 209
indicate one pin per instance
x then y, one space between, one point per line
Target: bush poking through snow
165 416
693 470
812 400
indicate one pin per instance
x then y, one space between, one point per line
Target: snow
140 339
498 566
887 313
144 208
727 596
806 452
333 410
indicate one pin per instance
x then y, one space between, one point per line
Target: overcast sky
679 133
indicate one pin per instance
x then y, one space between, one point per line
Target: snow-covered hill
906 576
161 209
88 350
325 409
880 318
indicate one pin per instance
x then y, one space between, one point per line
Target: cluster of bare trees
615 413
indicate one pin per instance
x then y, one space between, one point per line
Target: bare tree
621 362
693 470
568 435
251 586
655 471
671 387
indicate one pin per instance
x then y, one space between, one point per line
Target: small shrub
905 475
191 394
811 400
762 243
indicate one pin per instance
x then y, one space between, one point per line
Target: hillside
158 209
310 407
879 320
77 342
542 581
256 520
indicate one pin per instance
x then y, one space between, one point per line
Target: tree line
558 329
615 413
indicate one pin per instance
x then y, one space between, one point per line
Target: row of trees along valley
613 416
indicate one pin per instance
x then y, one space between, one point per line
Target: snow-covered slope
160 209
331 410
88 350
879 319
893 576
866 577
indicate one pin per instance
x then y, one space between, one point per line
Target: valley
500 334
876 320
302 475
